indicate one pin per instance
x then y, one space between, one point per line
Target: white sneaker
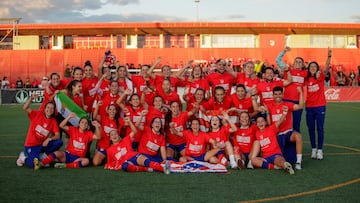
167 168
249 165
289 168
60 165
319 154
233 164
21 159
313 153
298 166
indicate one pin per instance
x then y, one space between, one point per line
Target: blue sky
67 11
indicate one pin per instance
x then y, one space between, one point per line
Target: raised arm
26 106
132 127
174 131
282 118
119 102
327 63
226 118
63 123
180 73
150 72
279 58
97 133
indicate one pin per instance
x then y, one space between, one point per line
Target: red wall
14 63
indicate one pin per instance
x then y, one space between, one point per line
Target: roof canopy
181 28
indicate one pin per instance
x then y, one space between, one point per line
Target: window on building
191 41
167 41
118 41
44 42
131 41
140 41
320 41
68 42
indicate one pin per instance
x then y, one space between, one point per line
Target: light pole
197 10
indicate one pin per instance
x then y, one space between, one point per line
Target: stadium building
39 49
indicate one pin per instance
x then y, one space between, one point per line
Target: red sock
76 164
134 168
271 166
156 166
47 160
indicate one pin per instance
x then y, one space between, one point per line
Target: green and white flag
65 106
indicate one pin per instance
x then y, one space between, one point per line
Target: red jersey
276 111
221 136
315 92
244 138
217 79
298 79
140 83
174 82
221 106
48 95
248 82
105 85
107 99
180 126
151 142
108 125
78 142
40 128
135 115
168 98
242 104
195 144
268 141
195 84
89 97
265 89
120 152
153 113
191 103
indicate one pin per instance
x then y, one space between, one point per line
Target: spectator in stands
5 84
27 83
352 78
35 83
19 83
358 77
340 78
328 77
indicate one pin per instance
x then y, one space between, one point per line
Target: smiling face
78 74
156 125
175 109
158 102
114 136
298 63
88 72
244 119
221 66
195 126
261 123
197 71
55 80
49 110
219 95
83 124
135 100
215 123
240 92
111 110
249 68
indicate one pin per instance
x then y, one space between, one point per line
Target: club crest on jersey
45 125
240 106
80 139
118 148
267 88
197 85
221 81
277 111
196 142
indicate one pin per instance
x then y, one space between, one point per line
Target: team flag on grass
197 167
65 106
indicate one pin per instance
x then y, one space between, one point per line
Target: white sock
298 158
232 158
